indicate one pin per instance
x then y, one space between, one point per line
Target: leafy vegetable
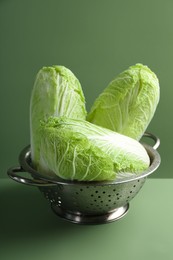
78 150
56 92
129 102
63 143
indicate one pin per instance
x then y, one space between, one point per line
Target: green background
96 40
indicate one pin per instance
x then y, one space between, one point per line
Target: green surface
96 40
30 230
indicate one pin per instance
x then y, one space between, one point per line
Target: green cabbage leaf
56 92
128 103
75 149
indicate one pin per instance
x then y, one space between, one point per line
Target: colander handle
13 174
155 139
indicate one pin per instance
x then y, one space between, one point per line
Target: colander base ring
79 218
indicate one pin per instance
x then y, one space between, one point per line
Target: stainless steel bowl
86 202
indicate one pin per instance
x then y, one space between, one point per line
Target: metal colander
86 202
